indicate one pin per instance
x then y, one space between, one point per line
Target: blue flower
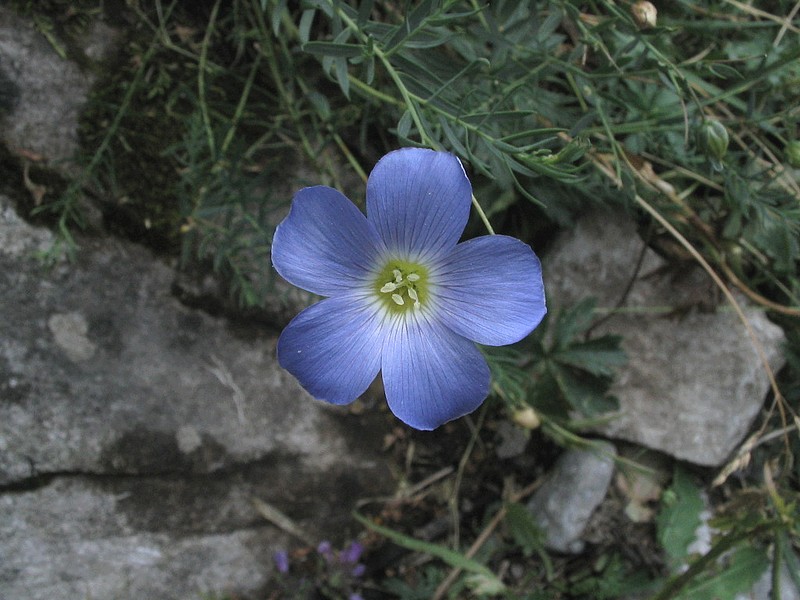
403 297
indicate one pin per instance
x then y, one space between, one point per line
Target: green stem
411 103
201 78
674 586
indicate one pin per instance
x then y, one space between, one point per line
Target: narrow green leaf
333 50
341 72
744 567
790 558
364 10
404 125
452 137
277 13
451 557
304 28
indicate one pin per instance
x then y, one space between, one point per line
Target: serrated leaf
585 394
545 397
527 534
598 356
679 516
523 528
573 322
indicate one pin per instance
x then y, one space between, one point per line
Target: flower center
402 285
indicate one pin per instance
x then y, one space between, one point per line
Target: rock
134 433
576 486
693 383
512 440
76 539
44 93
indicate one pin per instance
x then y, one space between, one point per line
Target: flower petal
430 374
333 348
490 290
325 244
419 201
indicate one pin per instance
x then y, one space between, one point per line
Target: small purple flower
358 570
325 550
351 554
281 558
403 297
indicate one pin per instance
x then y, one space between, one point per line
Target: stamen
404 283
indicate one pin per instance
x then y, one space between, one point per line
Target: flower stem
482 215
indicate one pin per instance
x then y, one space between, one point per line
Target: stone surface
575 487
694 381
84 540
45 92
135 432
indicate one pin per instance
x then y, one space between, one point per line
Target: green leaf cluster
559 371
679 517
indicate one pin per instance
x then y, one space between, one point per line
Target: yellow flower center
402 286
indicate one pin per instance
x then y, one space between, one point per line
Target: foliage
679 517
558 370
611 578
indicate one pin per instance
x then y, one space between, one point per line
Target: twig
281 521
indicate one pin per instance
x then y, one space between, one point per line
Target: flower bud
712 138
644 13
527 418
792 152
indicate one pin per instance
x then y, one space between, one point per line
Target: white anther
412 293
398 276
412 277
398 299
388 287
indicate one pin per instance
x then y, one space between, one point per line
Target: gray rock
46 92
111 372
693 383
73 540
576 486
135 432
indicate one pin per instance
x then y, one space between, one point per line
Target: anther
389 287
398 299
412 277
398 276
